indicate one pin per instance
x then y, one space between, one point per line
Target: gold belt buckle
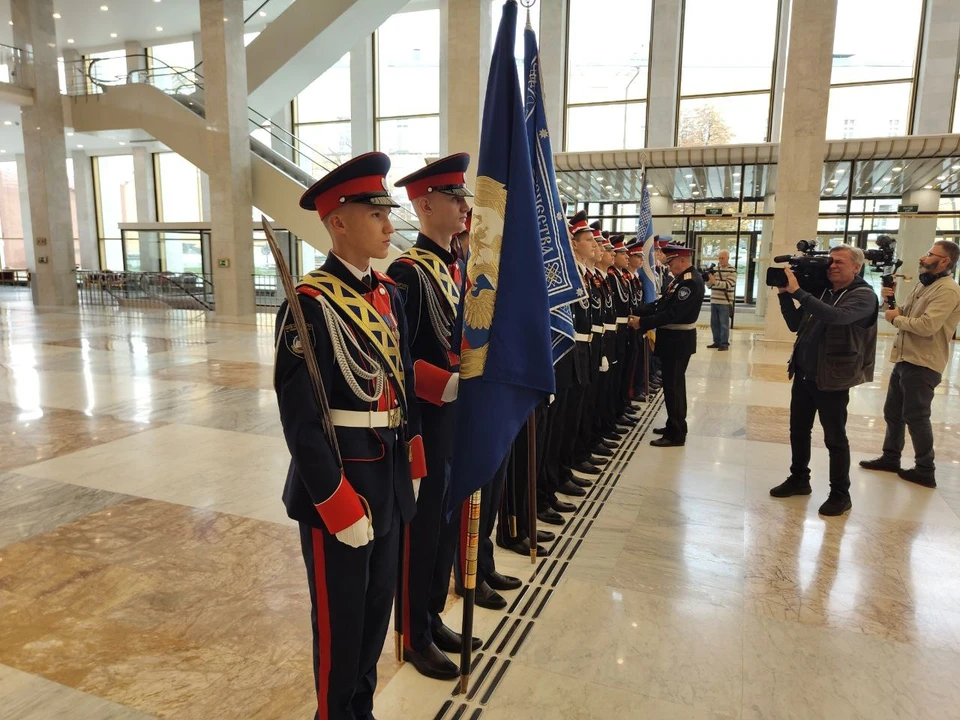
393 417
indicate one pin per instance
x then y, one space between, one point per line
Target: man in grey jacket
834 351
723 288
926 323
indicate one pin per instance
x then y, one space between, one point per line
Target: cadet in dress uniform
620 291
674 316
606 418
350 518
639 345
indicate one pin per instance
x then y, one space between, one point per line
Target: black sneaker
920 477
791 486
713 346
837 504
881 463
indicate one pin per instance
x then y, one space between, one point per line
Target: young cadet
430 279
350 515
622 299
638 343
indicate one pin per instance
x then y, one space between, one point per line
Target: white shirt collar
357 272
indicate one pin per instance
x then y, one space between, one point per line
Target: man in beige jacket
926 323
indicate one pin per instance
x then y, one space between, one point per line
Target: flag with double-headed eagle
506 360
564 282
648 275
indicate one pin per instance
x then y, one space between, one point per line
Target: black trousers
550 474
516 501
351 594
429 548
674 367
806 402
571 430
909 397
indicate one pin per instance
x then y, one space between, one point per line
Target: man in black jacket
834 351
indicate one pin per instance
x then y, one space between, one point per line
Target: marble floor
147 569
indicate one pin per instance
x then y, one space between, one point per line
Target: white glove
358 534
416 488
451 389
604 365
552 399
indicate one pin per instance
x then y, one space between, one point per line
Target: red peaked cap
362 179
446 175
578 223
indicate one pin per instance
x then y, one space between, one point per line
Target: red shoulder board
404 260
307 290
384 278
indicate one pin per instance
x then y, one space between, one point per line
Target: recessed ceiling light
3 152
887 179
10 22
928 187
956 167
609 187
70 41
878 188
80 146
828 190
159 28
69 134
736 174
897 169
579 195
695 192
104 8
113 35
654 193
569 187
688 176
263 13
840 171
834 181
7 122
616 194
599 179
122 142
226 19
56 16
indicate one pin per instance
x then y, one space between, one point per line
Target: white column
144 185
465 47
25 222
937 78
281 141
86 211
915 236
225 98
803 133
662 205
73 66
361 97
552 42
204 178
780 78
54 278
136 58
766 252
664 73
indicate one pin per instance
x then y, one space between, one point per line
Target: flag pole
532 484
469 589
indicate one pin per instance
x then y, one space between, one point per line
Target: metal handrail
190 92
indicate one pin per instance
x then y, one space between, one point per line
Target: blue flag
506 361
564 283
648 275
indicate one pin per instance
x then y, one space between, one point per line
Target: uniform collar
425 243
349 274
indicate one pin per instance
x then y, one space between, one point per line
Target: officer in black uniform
351 516
674 316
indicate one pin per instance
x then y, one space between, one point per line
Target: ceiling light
599 179
887 179
10 22
828 190
839 171
122 142
69 134
688 176
695 192
654 193
834 181
113 35
104 8
70 41
7 122
878 188
569 187
579 195
80 147
736 174
928 187
56 16
616 194
263 14
3 152
159 28
897 169
956 167
609 187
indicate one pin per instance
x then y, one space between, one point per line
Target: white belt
582 337
622 321
597 328
368 419
610 326
680 326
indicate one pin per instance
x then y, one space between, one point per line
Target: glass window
172 66
876 40
108 68
956 111
741 65
408 64
116 194
518 49
180 191
12 253
408 142
609 50
723 120
323 146
862 111
606 127
182 252
328 97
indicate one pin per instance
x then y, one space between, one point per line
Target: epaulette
384 278
307 290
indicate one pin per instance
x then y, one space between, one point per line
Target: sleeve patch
292 339
683 293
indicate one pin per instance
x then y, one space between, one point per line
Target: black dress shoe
613 435
568 488
926 479
713 346
549 516
667 442
609 444
602 451
581 482
587 469
498 581
792 486
659 431
432 663
450 640
545 536
881 463
598 461
562 506
837 504
486 597
523 548
624 427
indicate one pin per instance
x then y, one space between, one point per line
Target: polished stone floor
147 569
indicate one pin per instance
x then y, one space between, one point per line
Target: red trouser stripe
405 622
323 624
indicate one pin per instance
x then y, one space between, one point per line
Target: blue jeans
720 323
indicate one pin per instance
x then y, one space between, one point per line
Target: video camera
883 259
810 267
704 272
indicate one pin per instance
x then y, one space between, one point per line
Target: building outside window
172 67
321 116
607 74
874 67
725 93
106 68
116 199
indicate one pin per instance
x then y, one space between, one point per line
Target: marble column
664 73
225 98
803 133
204 178
552 42
25 222
144 184
766 253
937 77
362 116
915 236
75 78
54 278
86 211
136 60
465 47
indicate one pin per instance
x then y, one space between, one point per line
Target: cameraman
722 282
834 351
926 323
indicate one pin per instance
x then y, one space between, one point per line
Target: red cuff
342 509
418 460
430 381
